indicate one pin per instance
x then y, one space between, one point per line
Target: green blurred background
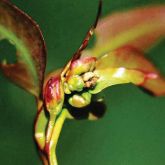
132 131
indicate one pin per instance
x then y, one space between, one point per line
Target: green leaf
24 33
113 76
128 65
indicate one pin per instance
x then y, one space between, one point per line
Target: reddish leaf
25 34
140 28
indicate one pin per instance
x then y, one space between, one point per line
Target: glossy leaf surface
128 65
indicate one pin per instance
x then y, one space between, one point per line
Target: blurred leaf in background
132 131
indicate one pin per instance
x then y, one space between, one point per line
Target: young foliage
140 28
123 38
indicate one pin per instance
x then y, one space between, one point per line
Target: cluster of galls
72 90
78 80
